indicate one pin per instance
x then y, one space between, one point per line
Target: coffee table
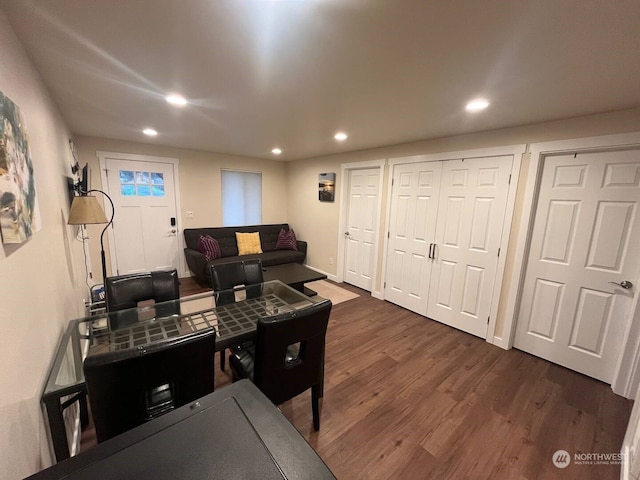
294 275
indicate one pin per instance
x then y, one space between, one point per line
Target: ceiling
291 73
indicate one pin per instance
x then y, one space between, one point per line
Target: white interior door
584 242
414 207
361 228
473 199
143 194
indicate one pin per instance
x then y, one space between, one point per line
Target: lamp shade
86 210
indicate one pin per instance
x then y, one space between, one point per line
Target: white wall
42 282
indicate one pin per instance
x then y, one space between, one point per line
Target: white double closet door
446 222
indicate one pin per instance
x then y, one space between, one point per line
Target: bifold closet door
414 205
472 204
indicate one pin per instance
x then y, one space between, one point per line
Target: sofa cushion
275 257
248 243
209 247
287 240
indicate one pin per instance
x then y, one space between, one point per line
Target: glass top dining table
234 323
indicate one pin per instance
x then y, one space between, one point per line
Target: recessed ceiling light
340 136
477 105
276 151
175 99
150 132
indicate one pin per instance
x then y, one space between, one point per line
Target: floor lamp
85 209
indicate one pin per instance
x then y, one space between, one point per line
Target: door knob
173 230
346 234
624 284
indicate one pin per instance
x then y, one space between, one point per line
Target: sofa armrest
302 247
196 262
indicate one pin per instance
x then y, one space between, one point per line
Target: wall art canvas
326 187
19 214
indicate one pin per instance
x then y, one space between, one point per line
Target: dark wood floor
407 397
191 286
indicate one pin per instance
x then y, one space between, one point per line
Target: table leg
303 289
308 292
56 426
84 411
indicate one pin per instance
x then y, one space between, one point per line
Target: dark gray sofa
226 237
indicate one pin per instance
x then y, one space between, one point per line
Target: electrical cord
82 237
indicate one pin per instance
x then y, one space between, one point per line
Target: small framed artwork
326 187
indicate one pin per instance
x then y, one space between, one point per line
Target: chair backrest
129 387
277 373
126 291
226 276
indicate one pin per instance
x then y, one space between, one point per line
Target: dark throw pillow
286 240
209 247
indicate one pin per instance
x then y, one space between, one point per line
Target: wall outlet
330 260
189 214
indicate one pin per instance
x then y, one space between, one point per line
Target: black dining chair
288 356
130 387
226 276
125 292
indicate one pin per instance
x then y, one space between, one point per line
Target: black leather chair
126 291
226 276
132 386
288 357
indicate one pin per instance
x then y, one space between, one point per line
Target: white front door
584 244
473 199
414 208
362 227
145 231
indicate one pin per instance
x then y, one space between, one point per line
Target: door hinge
498 252
488 318
509 179
385 284
388 233
392 180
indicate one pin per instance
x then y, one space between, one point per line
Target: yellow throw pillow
248 243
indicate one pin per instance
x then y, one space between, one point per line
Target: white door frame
516 151
345 170
102 158
627 374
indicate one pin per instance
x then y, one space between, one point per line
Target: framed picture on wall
326 187
19 213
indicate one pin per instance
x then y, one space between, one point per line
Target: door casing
344 213
102 158
365 239
627 375
516 151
